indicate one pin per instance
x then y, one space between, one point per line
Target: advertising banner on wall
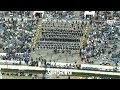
110 21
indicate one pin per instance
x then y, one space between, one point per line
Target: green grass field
16 77
28 77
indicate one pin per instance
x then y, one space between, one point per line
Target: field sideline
55 69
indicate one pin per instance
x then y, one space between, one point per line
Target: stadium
59 44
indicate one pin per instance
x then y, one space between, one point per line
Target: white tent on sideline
92 13
42 12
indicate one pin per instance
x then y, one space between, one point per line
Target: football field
16 77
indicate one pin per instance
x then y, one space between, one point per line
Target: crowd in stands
60 14
17 35
102 39
62 35
107 15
